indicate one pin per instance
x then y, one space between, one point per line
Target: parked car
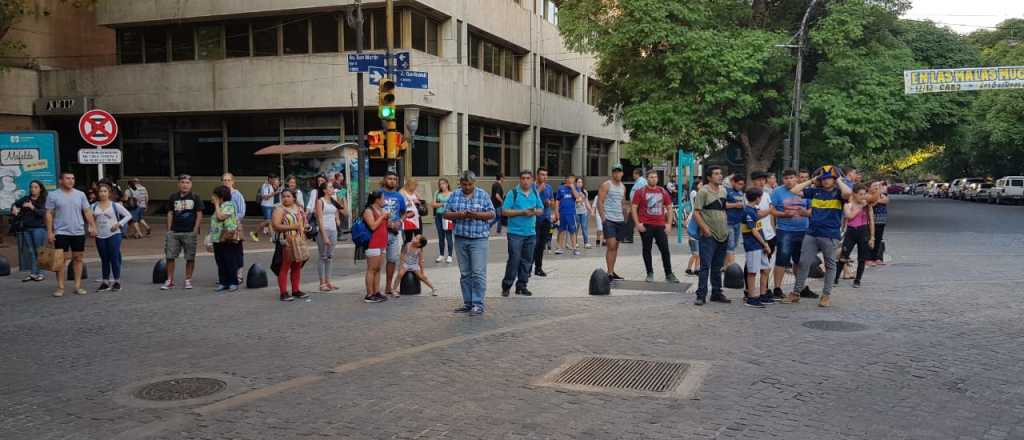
1009 189
978 192
919 189
958 189
897 188
937 190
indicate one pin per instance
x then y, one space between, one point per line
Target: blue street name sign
407 79
362 62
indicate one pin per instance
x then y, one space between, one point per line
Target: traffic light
394 141
375 143
386 103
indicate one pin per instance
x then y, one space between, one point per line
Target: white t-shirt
767 230
266 190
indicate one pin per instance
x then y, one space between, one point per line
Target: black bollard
160 271
600 284
5 267
410 284
256 278
71 271
734 277
816 270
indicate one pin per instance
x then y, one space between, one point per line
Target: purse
51 259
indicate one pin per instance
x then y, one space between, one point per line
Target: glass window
597 156
183 43
295 36
190 146
325 33
264 38
492 152
146 147
474 51
556 154
237 39
419 32
246 136
433 47
379 19
488 57
210 42
475 143
350 34
511 155
156 45
129 45
426 150
493 149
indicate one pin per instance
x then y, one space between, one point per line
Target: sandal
324 288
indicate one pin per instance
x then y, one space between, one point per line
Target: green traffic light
387 112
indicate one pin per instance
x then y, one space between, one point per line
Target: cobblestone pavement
940 358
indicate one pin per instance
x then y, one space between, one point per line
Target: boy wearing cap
823 232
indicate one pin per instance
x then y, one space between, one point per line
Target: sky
966 16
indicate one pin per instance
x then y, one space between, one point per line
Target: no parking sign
98 128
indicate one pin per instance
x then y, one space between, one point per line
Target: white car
1008 189
978 192
959 188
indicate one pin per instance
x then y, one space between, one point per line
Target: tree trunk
760 144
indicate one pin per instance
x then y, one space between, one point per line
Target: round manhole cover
835 326
180 389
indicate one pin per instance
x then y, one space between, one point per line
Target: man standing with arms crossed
67 214
472 212
788 208
184 215
610 198
522 205
652 212
709 212
544 221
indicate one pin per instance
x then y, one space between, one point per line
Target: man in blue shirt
734 203
788 208
394 206
565 203
521 208
472 211
823 230
543 221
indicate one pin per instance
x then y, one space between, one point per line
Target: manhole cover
180 389
835 326
624 374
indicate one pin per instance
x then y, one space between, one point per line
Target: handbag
275 261
298 248
51 259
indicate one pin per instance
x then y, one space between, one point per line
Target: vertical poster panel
26 156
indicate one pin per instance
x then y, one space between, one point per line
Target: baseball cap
617 167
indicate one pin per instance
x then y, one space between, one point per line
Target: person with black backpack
521 207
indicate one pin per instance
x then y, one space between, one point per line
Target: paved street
939 357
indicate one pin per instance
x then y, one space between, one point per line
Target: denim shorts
268 212
734 237
394 249
788 247
694 246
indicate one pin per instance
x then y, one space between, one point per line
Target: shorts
73 243
615 230
567 223
411 268
177 242
694 246
137 213
789 244
374 252
268 212
757 261
734 237
394 249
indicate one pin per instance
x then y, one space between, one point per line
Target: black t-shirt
185 209
32 218
496 190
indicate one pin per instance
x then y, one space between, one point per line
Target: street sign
99 156
362 62
407 79
97 127
963 80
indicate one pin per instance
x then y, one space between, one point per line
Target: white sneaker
558 252
588 246
448 260
188 284
168 285
439 259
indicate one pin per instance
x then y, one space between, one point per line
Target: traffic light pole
389 125
356 22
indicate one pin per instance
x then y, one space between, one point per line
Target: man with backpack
521 207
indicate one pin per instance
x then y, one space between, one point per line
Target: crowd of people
781 227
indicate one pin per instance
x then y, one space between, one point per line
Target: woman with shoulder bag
226 239
411 226
327 213
376 221
30 220
289 227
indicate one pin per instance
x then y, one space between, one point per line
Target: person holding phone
521 207
472 212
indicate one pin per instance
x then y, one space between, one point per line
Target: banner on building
26 156
963 80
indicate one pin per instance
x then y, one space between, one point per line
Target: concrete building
199 86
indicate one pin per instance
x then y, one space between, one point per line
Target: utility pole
389 11
798 98
356 21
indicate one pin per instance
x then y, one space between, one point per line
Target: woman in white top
314 194
328 212
111 219
411 226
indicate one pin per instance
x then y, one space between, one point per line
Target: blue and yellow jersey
826 212
751 223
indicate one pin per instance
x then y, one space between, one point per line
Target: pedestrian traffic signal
394 141
375 143
386 104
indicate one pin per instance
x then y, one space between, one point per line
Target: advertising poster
26 156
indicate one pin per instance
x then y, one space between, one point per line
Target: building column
450 142
526 149
579 155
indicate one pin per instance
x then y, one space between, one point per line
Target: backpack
361 233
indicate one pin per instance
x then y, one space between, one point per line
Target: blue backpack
361 233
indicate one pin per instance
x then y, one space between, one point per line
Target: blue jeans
520 260
472 255
581 220
29 243
443 237
110 256
712 257
789 248
734 237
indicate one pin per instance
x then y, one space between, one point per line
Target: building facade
198 87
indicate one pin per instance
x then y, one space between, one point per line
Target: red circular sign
98 128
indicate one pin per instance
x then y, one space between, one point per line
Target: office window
183 43
146 147
493 58
246 136
129 46
557 79
424 33
594 92
379 31
264 38
556 154
350 34
209 40
237 39
199 153
597 156
493 149
156 45
474 51
426 150
325 33
295 36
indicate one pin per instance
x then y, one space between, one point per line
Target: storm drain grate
180 389
835 326
623 374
